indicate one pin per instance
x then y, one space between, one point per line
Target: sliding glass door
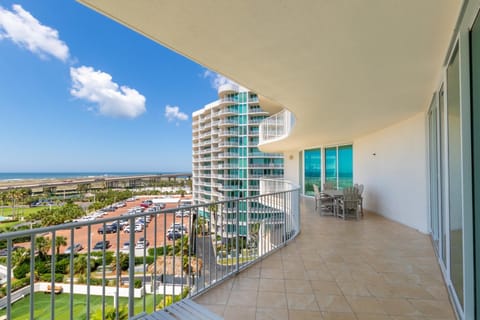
475 87
433 174
455 202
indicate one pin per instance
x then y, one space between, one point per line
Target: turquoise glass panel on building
313 169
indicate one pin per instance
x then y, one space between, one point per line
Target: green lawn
21 309
21 211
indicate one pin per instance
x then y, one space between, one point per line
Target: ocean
13 176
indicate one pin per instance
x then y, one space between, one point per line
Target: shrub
137 283
160 251
20 283
21 271
42 267
47 277
148 260
62 266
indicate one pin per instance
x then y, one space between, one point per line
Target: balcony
335 269
128 274
276 127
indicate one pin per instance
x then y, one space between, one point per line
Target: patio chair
326 203
360 189
349 203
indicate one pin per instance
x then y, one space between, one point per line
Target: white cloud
174 113
26 31
217 80
110 99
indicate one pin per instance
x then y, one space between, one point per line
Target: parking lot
163 222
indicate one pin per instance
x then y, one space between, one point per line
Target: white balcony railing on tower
276 127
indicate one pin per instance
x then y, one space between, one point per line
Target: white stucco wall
291 166
395 178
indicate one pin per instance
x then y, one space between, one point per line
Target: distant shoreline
52 179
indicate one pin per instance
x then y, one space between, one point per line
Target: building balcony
369 269
276 127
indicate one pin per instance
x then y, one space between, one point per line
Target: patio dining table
335 194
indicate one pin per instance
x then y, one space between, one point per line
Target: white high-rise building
226 161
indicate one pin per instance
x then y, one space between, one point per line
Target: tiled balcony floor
369 269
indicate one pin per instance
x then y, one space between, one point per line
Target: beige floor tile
275 285
332 303
267 299
398 307
240 313
338 316
272 273
304 315
298 286
372 316
214 296
325 287
242 298
433 308
272 314
353 288
302 302
365 305
245 284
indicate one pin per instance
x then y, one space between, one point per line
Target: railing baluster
32 277
72 250
52 280
89 251
131 268
9 278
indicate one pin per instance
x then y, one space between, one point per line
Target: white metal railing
206 253
276 127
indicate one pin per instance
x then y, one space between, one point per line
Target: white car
138 228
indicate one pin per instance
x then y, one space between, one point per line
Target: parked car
138 228
179 227
126 246
109 209
142 243
76 248
174 234
102 245
109 228
131 199
126 228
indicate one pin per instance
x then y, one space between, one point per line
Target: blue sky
80 92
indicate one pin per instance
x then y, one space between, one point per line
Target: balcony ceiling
344 68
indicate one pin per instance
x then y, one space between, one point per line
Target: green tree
60 241
43 245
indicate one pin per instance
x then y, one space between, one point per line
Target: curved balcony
276 127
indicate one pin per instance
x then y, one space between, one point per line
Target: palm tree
60 241
19 256
43 245
80 264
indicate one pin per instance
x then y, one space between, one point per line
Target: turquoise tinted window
345 166
331 165
313 169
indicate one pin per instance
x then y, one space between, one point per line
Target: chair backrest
350 197
329 186
361 187
315 189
